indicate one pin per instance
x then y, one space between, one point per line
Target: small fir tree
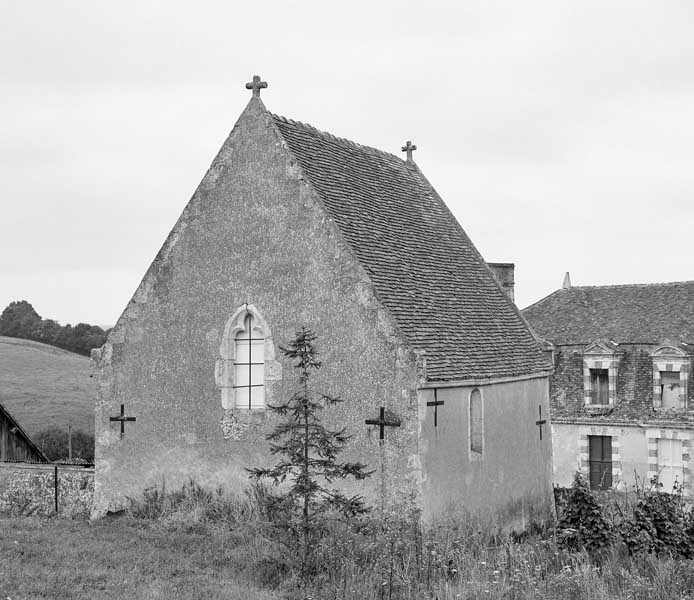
309 453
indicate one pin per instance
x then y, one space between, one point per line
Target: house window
249 366
600 366
600 461
670 389
671 365
670 467
476 424
600 386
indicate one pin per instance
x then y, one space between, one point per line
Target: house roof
640 313
424 268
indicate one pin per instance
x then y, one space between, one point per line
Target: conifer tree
309 452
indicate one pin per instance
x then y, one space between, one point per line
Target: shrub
659 524
582 523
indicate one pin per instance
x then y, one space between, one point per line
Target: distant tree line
57 444
20 320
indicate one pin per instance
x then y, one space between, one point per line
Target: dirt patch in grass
124 558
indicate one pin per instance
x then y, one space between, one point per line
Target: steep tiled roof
425 269
648 313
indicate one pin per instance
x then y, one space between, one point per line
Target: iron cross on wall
122 418
381 422
435 403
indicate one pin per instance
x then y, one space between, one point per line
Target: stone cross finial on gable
256 85
409 147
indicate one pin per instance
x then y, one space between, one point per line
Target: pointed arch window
246 370
249 365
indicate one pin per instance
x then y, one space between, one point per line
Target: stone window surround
224 368
599 356
667 357
474 456
652 436
584 431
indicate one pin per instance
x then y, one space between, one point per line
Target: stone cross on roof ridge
409 147
256 85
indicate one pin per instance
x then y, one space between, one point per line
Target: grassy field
186 558
122 558
43 386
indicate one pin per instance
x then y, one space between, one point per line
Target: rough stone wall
634 382
254 232
566 383
27 489
510 484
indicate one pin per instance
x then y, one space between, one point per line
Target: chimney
503 273
567 283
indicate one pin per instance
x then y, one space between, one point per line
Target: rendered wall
635 460
629 453
512 482
254 232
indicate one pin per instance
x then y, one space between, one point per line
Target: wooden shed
15 444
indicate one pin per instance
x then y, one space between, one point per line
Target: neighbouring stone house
295 227
620 395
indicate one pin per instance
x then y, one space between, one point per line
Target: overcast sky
561 134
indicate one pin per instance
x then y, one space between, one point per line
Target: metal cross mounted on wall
435 403
541 421
381 422
122 418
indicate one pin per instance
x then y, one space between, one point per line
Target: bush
659 524
582 524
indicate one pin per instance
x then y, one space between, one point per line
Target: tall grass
194 504
392 556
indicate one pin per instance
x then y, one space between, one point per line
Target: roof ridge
542 299
629 285
336 138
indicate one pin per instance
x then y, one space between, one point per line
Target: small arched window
246 369
249 365
476 424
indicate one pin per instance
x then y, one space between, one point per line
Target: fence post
55 487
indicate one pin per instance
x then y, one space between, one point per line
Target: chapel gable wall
254 233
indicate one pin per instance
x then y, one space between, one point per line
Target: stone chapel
292 227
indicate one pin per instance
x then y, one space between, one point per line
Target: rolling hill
43 386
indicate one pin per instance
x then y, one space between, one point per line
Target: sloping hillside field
43 386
